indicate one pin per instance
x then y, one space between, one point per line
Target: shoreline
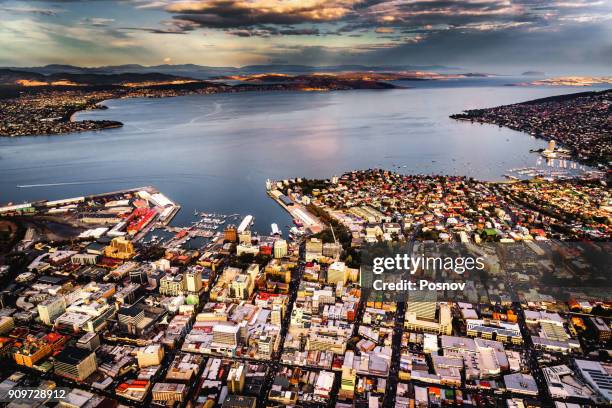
57 107
556 118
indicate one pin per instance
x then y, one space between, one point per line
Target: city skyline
507 37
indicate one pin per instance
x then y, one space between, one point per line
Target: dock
298 212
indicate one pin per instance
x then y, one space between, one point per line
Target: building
35 348
129 294
245 237
441 325
314 249
120 248
332 250
151 355
318 342
226 334
169 392
84 259
131 318
520 383
89 341
75 363
172 285
193 281
423 304
236 379
337 272
494 330
279 270
598 375
138 276
324 383
348 381
230 234
241 287
280 248
602 330
7 323
239 401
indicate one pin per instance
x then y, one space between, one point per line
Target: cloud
32 10
266 31
173 26
385 30
243 13
451 32
97 21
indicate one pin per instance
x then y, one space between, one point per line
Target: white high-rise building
280 248
51 308
193 281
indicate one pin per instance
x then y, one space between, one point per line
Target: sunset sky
573 36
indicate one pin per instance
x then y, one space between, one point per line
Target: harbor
304 222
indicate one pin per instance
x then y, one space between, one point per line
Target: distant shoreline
45 111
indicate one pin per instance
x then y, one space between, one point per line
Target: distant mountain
10 76
206 72
69 77
533 73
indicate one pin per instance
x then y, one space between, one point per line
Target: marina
408 134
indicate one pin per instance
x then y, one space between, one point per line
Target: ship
275 230
245 224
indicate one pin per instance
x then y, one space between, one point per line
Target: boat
275 230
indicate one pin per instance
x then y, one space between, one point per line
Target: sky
502 36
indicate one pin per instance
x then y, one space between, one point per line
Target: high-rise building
265 346
236 379
51 308
423 304
314 249
347 382
226 334
131 318
75 363
172 285
337 272
230 234
7 323
280 248
441 325
138 276
193 281
276 315
129 294
241 287
89 341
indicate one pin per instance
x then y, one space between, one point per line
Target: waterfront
214 153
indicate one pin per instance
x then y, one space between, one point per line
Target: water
213 153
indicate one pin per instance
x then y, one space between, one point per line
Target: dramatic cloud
243 13
535 33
